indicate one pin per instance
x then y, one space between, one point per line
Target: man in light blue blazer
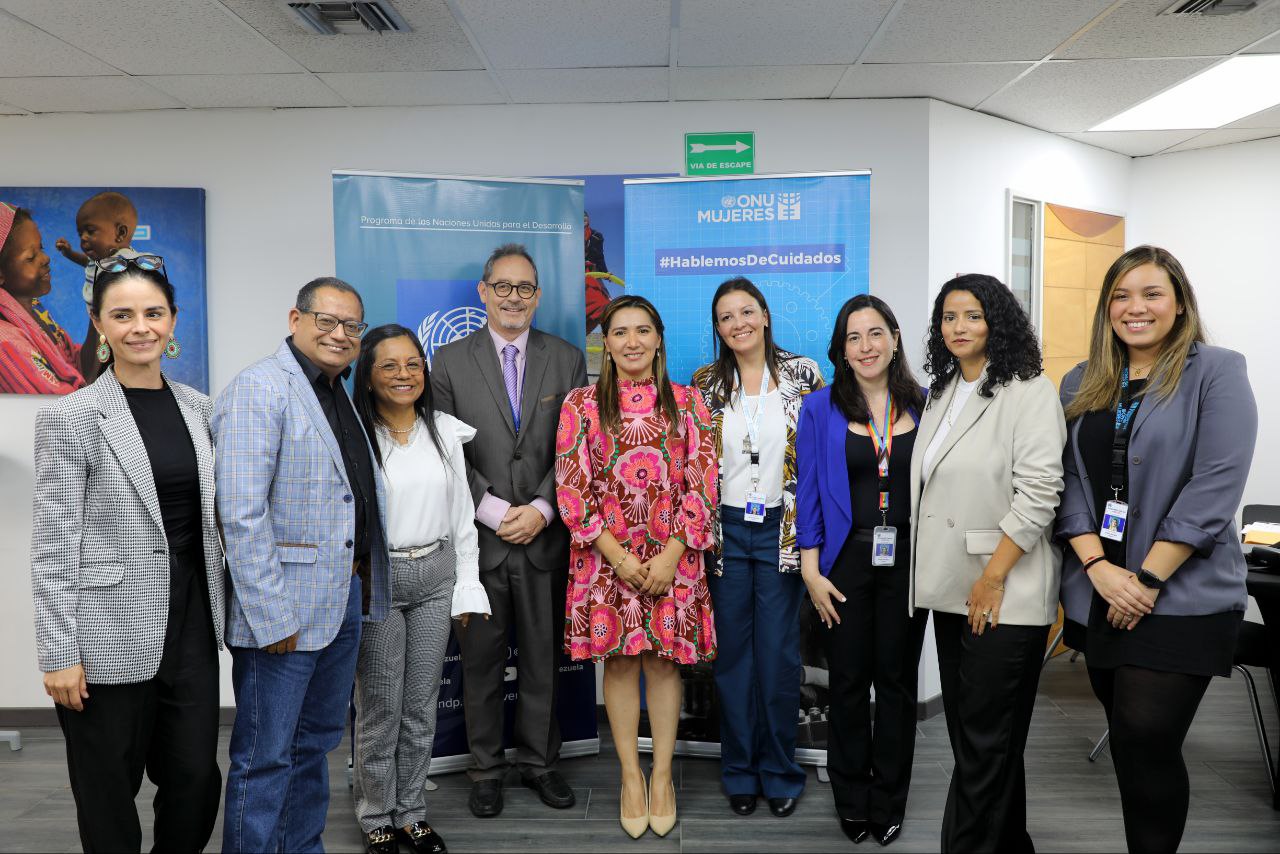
300 503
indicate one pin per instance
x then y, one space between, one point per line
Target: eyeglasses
120 263
327 323
389 369
526 290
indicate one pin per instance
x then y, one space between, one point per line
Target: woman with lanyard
983 494
1154 581
854 529
753 391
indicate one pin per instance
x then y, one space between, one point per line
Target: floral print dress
647 483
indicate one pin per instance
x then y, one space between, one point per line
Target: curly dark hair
1012 348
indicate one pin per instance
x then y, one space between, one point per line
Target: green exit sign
719 154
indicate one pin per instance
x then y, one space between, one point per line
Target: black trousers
988 694
876 643
167 726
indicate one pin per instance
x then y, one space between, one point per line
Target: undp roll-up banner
415 246
803 240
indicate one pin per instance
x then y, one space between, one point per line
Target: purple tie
510 377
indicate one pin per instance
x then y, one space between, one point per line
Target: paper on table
1261 533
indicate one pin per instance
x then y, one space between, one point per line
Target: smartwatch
1149 579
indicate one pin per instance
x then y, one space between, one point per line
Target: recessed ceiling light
1239 87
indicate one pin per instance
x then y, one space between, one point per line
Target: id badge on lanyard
1116 515
884 537
754 510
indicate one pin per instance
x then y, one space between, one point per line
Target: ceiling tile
1224 136
83 94
1135 143
1138 29
777 32
951 31
26 51
146 37
571 33
1269 118
573 85
1271 45
215 91
963 84
1074 96
6 110
756 82
437 43
414 88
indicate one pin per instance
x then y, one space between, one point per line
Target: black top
173 464
1198 645
356 458
864 482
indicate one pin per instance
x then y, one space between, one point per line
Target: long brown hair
846 394
1100 385
726 363
607 384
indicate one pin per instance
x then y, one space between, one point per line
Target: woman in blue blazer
1161 429
853 453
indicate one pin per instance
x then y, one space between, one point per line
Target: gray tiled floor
1073 804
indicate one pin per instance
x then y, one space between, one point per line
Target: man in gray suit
508 381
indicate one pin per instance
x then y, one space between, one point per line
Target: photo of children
41 355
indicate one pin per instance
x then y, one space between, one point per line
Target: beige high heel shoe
662 824
635 827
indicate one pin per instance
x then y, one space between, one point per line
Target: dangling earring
173 349
104 350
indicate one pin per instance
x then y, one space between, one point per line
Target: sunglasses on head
120 263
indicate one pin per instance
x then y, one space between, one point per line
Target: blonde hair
1100 385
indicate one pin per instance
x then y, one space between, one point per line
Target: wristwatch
1149 579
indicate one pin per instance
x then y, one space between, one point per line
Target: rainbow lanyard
884 447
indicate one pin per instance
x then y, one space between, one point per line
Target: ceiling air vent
1213 7
357 16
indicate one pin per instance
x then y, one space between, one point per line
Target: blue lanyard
1125 408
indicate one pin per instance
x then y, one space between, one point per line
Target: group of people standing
665 524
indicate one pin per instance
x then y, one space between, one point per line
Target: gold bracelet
620 561
999 588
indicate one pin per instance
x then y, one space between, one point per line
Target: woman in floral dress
636 484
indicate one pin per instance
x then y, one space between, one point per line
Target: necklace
408 429
1138 373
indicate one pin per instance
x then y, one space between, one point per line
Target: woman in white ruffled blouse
435 574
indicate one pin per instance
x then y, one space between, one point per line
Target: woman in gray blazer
127 575
985 481
1162 429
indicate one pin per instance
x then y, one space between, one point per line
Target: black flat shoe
856 829
381 840
783 807
885 834
742 804
552 790
421 839
486 798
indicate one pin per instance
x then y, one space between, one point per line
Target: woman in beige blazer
984 490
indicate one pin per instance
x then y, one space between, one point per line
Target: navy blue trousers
291 710
757 667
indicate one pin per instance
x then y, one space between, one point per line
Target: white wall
1218 211
270 225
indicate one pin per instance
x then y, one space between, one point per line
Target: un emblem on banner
438 329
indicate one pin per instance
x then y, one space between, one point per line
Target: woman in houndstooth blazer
127 575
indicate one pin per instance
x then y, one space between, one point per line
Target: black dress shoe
782 807
742 804
381 840
486 798
856 829
885 834
552 789
421 839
